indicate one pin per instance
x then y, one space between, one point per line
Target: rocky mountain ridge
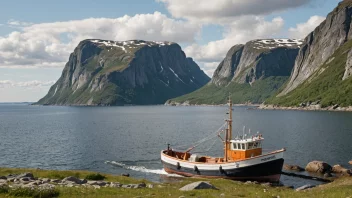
320 44
322 70
102 72
250 72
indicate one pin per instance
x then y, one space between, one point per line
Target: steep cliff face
101 72
250 72
319 45
226 69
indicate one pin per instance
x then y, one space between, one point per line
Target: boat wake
141 169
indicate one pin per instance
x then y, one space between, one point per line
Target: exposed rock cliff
250 72
321 76
101 72
319 45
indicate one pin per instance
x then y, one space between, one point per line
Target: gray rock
55 180
198 185
3 177
150 186
26 175
320 45
318 167
305 187
255 60
348 69
72 179
115 185
3 181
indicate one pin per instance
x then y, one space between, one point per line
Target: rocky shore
306 108
50 183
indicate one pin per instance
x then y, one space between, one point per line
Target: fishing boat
243 158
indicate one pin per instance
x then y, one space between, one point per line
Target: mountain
322 70
250 73
101 72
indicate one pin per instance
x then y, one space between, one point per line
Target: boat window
250 145
234 146
243 147
259 145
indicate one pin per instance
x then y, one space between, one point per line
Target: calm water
129 139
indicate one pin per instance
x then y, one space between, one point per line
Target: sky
37 37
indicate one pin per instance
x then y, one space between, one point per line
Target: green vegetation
240 93
35 193
339 188
95 176
325 85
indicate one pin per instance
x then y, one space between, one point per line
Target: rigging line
210 136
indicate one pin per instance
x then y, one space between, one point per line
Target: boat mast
228 134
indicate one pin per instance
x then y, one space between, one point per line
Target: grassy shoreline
340 188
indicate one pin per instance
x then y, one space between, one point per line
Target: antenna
244 128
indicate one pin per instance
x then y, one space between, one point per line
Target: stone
28 175
96 186
350 162
71 179
305 187
3 177
3 181
150 186
125 175
55 180
318 167
293 167
115 185
198 185
338 169
92 182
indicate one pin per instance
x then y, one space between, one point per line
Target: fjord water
129 139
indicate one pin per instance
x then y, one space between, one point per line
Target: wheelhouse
245 148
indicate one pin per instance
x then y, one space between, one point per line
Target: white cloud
214 11
303 29
26 84
13 22
49 44
243 29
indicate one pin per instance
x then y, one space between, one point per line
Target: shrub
95 177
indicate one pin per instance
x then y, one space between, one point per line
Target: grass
240 93
325 85
339 188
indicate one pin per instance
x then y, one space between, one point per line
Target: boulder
318 167
71 179
3 177
293 167
305 187
3 181
198 185
340 170
28 175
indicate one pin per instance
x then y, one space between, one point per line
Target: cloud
49 44
303 29
240 31
215 11
27 84
13 23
